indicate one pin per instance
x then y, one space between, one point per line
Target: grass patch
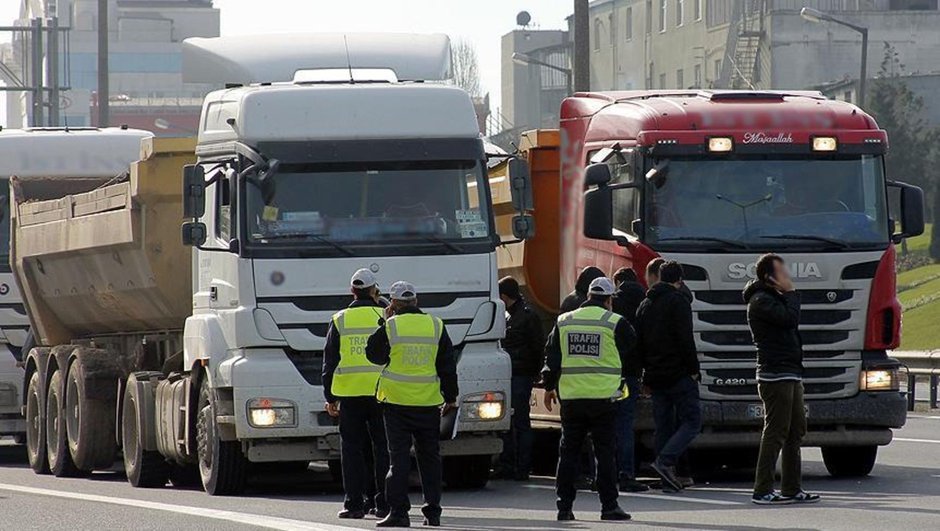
919 244
916 277
920 330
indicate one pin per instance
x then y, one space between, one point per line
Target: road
902 493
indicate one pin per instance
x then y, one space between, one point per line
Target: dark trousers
578 419
678 419
422 426
364 452
626 415
517 442
784 428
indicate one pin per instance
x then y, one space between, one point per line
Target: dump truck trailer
78 154
714 179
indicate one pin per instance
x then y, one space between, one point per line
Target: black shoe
803 497
668 473
378 513
628 484
348 514
616 514
565 516
432 521
394 521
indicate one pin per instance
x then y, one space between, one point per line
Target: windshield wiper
832 241
730 243
304 235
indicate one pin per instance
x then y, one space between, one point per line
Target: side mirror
520 184
597 175
194 233
194 191
912 211
599 214
523 227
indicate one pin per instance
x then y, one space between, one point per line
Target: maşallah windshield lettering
770 203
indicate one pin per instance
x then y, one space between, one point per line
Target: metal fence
920 363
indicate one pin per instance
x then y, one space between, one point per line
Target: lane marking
931 417
270 522
665 497
928 441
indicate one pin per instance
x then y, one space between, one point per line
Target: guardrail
920 363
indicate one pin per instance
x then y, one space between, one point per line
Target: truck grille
743 337
807 296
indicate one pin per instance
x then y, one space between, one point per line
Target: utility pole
582 48
103 86
52 71
36 71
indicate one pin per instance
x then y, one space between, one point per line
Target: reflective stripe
585 322
591 370
343 330
407 378
358 369
395 337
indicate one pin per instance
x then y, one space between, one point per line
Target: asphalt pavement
903 492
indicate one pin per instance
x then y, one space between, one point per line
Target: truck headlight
271 413
879 379
483 406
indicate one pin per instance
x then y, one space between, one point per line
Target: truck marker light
483 406
825 143
720 144
271 413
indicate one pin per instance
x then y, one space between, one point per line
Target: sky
481 22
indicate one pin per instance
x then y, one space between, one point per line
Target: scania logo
740 271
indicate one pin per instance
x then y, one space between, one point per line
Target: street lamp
814 15
527 60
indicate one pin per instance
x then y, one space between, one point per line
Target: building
924 86
532 93
643 44
146 85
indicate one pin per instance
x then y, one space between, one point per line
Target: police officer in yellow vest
349 382
417 385
584 362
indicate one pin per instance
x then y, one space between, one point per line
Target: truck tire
144 468
849 461
36 425
222 466
57 443
89 423
467 471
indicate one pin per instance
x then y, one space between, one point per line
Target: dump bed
107 259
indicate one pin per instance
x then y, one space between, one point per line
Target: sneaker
771 498
803 497
616 514
668 473
628 484
686 481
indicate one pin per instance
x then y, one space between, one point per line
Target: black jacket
576 298
665 340
774 320
378 350
331 350
525 340
627 299
623 335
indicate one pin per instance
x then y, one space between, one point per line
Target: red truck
714 179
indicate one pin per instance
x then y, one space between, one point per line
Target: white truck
210 357
43 153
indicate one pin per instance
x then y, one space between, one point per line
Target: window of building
680 13
698 9
680 79
717 68
662 15
628 24
597 34
697 74
662 81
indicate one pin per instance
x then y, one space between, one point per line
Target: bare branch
466 67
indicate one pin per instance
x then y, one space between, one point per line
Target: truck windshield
764 203
350 207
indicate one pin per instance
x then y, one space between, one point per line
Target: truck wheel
222 466
57 444
467 471
849 461
36 425
89 423
144 468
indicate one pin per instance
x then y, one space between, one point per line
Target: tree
466 67
913 155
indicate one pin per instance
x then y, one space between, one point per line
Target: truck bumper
11 394
865 419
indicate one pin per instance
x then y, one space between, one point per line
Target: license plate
756 411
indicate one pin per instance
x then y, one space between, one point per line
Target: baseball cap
601 286
403 291
363 278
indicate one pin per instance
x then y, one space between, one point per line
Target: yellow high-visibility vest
355 375
410 378
590 361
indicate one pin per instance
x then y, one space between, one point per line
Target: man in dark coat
576 298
